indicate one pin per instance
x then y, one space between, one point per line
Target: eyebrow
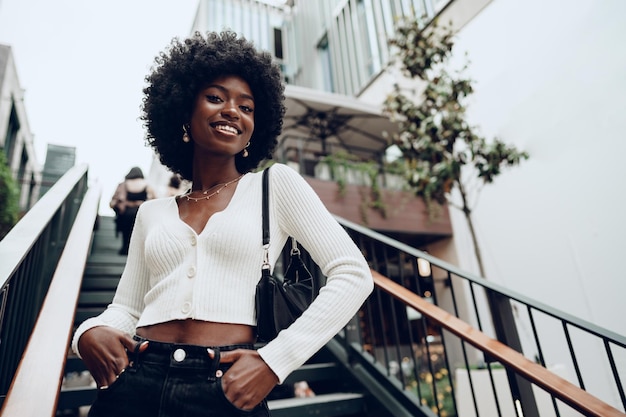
225 90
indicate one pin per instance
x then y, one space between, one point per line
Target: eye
213 98
246 109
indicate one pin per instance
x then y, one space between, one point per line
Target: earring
185 134
245 151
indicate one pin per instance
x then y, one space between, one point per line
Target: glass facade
256 20
332 45
351 37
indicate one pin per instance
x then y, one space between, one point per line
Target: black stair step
106 222
108 236
84 313
74 364
106 240
97 298
106 258
326 405
99 283
71 398
314 372
100 270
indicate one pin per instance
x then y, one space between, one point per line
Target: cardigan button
193 241
186 308
191 272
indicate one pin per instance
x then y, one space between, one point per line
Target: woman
128 196
213 109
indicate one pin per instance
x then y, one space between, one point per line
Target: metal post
506 332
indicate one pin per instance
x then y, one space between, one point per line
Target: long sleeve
123 313
300 213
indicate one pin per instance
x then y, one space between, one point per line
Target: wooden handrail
24 234
567 392
35 388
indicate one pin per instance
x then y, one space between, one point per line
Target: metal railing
452 376
29 254
440 362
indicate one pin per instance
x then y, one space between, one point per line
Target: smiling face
222 121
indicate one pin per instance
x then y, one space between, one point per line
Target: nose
230 111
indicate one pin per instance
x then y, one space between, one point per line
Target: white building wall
550 77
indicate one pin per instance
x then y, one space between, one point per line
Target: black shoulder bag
280 303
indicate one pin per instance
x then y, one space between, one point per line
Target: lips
226 128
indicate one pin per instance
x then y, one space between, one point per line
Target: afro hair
183 69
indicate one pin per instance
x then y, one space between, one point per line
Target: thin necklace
208 196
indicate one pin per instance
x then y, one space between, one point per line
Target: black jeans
171 380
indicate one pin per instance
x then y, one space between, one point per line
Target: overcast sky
82 65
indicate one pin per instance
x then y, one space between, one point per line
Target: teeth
226 128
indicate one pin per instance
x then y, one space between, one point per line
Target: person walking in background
128 196
173 186
179 337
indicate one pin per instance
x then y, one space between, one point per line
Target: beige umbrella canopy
318 123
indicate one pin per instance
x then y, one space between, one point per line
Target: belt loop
214 370
140 347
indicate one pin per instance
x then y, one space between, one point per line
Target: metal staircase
102 272
417 347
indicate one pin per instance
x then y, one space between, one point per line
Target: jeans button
179 355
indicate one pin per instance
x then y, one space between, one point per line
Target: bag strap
265 209
265 212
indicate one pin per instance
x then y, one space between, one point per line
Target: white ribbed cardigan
173 273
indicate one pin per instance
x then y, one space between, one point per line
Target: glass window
367 28
11 136
278 43
335 46
388 17
326 61
357 60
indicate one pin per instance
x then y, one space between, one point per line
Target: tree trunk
468 216
503 320
477 252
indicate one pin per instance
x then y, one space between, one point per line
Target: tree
8 198
441 150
